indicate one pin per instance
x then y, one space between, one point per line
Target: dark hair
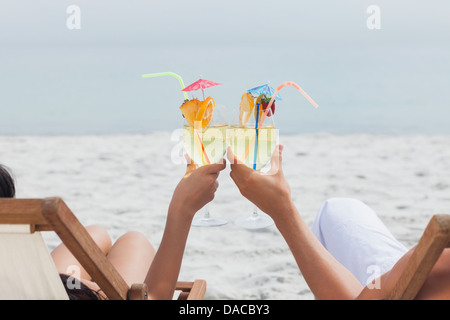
7 188
80 292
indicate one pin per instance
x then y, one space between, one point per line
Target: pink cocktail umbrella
200 85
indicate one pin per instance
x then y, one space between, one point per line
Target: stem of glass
206 211
255 211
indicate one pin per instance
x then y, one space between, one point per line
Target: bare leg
65 261
132 255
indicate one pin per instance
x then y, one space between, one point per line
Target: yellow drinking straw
281 86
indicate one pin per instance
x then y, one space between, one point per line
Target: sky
57 80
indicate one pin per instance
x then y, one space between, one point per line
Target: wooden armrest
434 240
192 290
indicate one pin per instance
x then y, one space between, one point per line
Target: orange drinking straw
296 86
205 155
201 147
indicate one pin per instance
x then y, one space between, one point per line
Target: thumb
276 160
190 165
232 157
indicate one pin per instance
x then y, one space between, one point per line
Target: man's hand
269 191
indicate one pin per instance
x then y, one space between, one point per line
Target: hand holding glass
207 146
253 144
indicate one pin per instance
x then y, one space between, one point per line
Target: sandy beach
125 182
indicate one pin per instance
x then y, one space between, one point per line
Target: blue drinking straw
256 137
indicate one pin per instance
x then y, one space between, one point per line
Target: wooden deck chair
27 270
434 240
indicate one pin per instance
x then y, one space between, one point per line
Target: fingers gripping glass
253 143
207 146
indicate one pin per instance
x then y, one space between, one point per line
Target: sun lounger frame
52 214
434 240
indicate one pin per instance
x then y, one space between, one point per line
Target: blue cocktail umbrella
266 89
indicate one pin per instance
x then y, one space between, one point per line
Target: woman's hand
196 188
269 191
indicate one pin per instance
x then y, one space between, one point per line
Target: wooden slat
434 240
184 286
183 295
191 290
138 291
22 211
84 249
198 290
